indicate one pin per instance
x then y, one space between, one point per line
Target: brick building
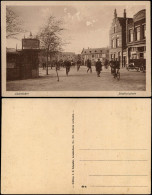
94 53
136 36
118 38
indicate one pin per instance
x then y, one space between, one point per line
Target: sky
86 25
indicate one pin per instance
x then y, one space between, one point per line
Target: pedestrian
106 63
78 64
67 65
98 67
43 65
89 65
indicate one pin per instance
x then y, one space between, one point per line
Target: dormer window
90 51
95 51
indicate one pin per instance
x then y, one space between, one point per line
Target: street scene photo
76 47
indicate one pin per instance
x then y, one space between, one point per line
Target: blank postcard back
81 146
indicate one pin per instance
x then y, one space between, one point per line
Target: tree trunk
47 72
50 60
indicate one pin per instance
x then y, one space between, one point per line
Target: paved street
81 81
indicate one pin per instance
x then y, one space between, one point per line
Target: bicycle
116 73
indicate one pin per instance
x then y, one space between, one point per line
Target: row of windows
94 55
93 52
115 43
136 34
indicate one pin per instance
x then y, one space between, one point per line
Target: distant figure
89 65
67 65
44 65
78 64
106 63
98 67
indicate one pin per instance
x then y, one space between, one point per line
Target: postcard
76 49
76 146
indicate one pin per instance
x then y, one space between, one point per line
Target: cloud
88 23
45 13
78 15
65 10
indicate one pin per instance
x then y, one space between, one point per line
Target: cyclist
115 66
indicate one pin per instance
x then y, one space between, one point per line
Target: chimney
124 13
115 13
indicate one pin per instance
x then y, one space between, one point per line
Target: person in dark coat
114 67
89 65
78 64
98 67
67 65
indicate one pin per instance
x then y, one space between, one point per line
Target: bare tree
50 37
13 24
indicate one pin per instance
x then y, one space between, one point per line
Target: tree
13 24
50 37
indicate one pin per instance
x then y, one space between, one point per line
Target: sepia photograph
74 48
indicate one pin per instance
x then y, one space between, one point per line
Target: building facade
128 37
94 54
136 36
71 56
118 39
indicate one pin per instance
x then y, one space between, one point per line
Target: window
112 44
130 35
141 55
144 30
134 56
137 33
117 42
114 29
92 56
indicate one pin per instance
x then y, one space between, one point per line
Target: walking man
78 64
67 65
98 67
89 65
